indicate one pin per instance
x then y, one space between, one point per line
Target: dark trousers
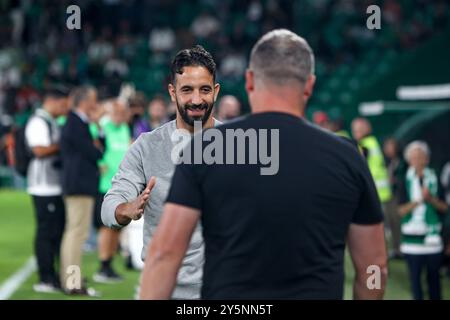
416 263
50 220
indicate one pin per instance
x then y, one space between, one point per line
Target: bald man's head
229 108
281 56
361 128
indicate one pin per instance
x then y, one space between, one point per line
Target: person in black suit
80 174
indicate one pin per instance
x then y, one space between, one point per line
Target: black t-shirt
282 235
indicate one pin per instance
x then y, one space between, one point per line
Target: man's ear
171 89
216 91
309 87
249 81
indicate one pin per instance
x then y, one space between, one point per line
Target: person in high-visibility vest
337 126
362 132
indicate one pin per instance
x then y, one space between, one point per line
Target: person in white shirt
43 176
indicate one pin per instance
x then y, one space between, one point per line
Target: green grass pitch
16 246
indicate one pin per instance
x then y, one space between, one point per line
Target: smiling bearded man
141 185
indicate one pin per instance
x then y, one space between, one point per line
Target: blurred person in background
42 136
117 141
321 119
4 131
172 110
156 116
445 182
396 171
157 113
162 39
337 126
137 121
362 133
420 207
80 179
334 124
228 108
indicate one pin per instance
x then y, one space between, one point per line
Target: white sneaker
45 288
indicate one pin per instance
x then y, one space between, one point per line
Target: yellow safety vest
377 167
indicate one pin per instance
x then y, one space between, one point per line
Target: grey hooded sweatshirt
151 155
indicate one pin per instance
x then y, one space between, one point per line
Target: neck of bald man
287 98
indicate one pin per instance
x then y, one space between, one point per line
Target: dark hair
56 91
196 56
138 100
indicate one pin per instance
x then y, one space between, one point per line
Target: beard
183 110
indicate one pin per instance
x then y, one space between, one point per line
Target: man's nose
196 98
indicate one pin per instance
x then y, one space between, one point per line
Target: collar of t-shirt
82 116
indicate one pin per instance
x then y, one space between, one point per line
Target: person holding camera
42 136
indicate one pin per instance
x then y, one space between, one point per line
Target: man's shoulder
72 116
35 120
158 133
155 138
74 121
35 126
39 120
71 119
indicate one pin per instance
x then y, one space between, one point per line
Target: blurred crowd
415 200
133 40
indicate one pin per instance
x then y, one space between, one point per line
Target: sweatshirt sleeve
127 184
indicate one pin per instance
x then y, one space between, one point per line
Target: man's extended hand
134 210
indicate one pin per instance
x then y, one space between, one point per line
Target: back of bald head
229 100
80 94
229 107
361 128
362 123
281 57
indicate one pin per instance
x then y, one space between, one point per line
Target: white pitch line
13 283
